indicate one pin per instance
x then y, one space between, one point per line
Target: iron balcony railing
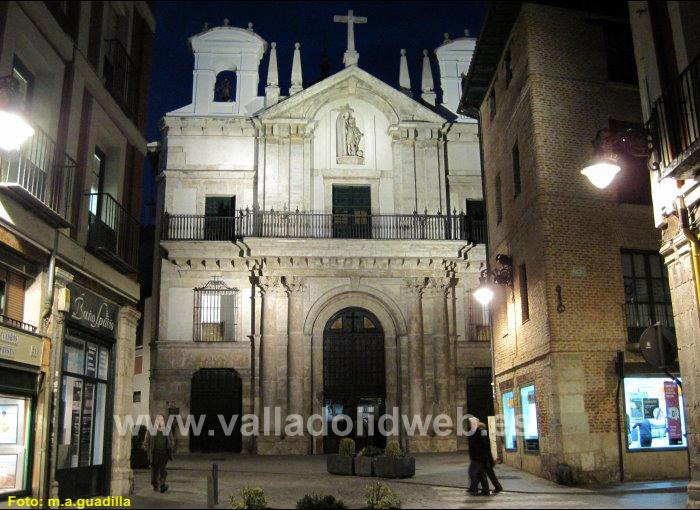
674 122
113 233
14 323
284 224
40 173
119 75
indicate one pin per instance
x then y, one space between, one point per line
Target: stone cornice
292 268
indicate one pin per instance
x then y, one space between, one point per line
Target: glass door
14 419
81 445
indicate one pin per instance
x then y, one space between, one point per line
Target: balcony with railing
119 75
113 234
285 224
41 175
675 125
14 323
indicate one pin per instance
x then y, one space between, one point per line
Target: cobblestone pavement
440 482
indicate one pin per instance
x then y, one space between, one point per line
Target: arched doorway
354 375
217 392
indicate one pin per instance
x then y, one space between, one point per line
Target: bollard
215 476
210 492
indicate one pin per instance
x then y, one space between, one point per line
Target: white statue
349 138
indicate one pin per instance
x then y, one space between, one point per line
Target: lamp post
501 276
14 129
608 147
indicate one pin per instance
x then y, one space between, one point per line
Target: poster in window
104 363
9 424
650 408
91 361
673 413
86 425
75 422
8 472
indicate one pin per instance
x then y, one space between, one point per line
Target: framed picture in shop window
9 424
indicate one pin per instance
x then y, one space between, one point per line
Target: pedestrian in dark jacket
160 450
482 462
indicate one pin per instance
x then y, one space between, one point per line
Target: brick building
587 278
667 48
78 73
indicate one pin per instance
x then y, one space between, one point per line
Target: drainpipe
51 447
692 237
477 115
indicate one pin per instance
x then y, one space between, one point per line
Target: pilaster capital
438 286
414 286
271 285
295 284
128 314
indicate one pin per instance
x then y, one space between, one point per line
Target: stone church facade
317 252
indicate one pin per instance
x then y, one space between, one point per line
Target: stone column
295 349
122 478
442 345
416 389
271 287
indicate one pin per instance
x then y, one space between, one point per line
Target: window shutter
14 307
228 316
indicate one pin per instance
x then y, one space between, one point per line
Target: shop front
22 355
654 424
86 390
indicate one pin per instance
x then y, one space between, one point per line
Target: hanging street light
501 276
14 129
608 146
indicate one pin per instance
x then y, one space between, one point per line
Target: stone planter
337 464
394 467
364 466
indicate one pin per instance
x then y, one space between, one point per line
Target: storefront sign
21 347
92 311
673 413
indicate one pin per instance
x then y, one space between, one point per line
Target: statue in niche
224 89
348 139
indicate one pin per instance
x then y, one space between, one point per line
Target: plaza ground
440 482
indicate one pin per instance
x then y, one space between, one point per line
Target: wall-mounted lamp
608 146
14 129
500 276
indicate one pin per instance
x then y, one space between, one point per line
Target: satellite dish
658 347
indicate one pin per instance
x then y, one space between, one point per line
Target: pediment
352 82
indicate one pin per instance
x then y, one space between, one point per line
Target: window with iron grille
479 330
647 293
215 312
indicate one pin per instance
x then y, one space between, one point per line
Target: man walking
160 450
482 462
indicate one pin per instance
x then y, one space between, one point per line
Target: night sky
390 27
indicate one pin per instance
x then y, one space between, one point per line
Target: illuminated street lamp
608 146
501 276
483 294
14 129
601 172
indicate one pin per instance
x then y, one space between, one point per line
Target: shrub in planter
379 495
364 462
342 463
394 463
252 498
318 502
